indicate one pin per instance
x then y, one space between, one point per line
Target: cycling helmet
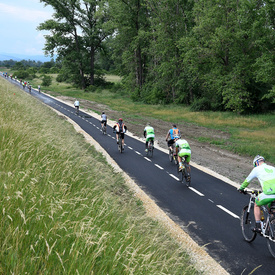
174 125
177 137
103 112
257 159
120 119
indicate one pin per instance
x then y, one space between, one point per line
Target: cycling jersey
174 132
184 149
149 133
76 103
103 117
266 176
120 127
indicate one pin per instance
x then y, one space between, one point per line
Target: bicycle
120 148
267 222
77 110
185 175
172 155
104 128
150 149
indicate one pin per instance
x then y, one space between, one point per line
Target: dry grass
64 210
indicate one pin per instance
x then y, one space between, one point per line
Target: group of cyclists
173 138
263 172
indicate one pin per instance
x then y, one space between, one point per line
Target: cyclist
149 134
174 131
76 105
39 88
121 128
183 149
266 176
103 119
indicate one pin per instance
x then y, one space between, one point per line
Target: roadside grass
64 209
249 134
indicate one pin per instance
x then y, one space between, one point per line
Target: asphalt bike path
208 210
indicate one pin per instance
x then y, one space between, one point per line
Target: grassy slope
64 210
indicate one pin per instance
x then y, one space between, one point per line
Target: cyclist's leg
262 199
180 155
122 138
188 159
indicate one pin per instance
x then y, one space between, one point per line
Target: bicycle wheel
247 224
120 144
150 149
175 158
187 175
271 240
104 130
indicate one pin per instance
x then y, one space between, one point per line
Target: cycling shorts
264 199
185 153
104 121
121 134
150 136
170 142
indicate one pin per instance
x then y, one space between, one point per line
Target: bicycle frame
267 222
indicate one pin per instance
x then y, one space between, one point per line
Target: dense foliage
208 54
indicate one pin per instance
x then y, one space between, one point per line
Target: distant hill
19 57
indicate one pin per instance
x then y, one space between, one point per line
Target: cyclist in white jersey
266 176
76 105
103 119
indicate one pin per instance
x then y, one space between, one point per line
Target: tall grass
63 208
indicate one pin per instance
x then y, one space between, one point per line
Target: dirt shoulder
225 163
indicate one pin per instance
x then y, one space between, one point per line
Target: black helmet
103 112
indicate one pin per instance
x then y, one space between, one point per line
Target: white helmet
257 159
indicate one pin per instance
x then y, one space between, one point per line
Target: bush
46 80
21 74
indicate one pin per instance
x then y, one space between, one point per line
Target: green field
64 209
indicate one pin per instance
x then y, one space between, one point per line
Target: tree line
209 54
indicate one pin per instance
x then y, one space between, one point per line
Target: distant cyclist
39 88
76 105
183 150
149 134
121 128
30 88
174 131
103 119
266 176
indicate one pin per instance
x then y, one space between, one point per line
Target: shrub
46 80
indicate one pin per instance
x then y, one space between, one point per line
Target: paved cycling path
208 211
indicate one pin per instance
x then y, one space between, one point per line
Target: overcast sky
18 22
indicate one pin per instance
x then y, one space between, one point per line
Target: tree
77 32
46 80
131 40
221 53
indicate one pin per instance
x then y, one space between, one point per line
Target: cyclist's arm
244 185
167 136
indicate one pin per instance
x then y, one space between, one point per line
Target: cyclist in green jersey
183 149
149 133
266 176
